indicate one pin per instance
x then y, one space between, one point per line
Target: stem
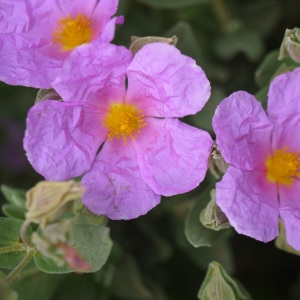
221 13
23 236
12 249
15 272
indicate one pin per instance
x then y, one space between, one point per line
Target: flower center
124 120
71 32
283 166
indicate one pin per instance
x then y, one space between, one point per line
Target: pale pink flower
37 36
262 183
146 151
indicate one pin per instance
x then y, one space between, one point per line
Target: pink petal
62 139
13 16
284 110
94 74
101 17
284 96
166 82
114 186
243 131
44 16
108 32
76 7
172 156
23 64
250 203
287 134
289 211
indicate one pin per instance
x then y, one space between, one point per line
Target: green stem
15 272
221 13
14 248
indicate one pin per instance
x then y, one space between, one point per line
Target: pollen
283 167
124 121
71 32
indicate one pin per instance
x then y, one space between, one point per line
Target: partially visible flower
48 200
147 151
263 151
37 36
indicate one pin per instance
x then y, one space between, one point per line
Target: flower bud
290 46
212 216
218 285
48 200
217 164
137 43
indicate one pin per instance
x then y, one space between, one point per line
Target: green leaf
35 284
13 211
267 68
197 234
246 41
14 196
218 285
172 4
10 237
91 241
202 256
5 292
127 280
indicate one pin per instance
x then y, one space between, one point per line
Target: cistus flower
145 150
37 36
262 183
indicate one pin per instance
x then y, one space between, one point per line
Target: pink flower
146 151
262 182
37 36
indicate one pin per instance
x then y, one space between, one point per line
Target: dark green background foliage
151 257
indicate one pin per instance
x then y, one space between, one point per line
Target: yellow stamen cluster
124 121
283 167
71 32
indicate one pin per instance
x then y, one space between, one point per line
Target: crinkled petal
172 156
101 17
166 83
76 7
243 131
114 186
23 64
250 203
13 16
284 110
44 16
289 211
94 74
287 134
62 139
283 97
108 32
